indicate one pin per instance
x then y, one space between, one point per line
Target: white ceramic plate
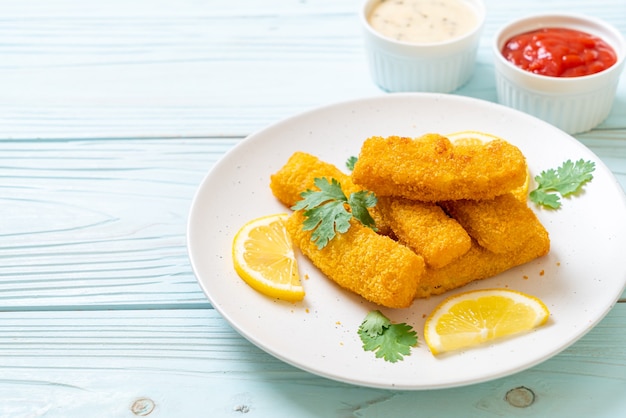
579 280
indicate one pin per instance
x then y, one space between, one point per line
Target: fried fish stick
299 174
502 224
479 263
426 229
371 265
431 168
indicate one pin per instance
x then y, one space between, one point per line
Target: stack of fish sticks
452 206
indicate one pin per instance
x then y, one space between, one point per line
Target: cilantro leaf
374 324
328 219
326 210
387 340
565 180
351 162
359 202
328 191
541 197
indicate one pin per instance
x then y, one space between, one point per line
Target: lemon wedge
471 137
478 138
475 317
264 258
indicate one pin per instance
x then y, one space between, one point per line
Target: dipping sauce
559 52
423 21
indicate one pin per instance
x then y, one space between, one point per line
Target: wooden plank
190 363
610 146
100 223
93 226
194 68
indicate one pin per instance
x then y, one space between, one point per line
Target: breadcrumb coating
431 168
450 207
364 262
502 224
479 263
426 229
299 174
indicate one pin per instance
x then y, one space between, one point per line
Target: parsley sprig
350 162
328 211
389 341
565 180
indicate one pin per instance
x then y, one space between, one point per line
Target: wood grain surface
111 114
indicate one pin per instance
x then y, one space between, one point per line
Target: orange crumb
307 310
541 273
525 277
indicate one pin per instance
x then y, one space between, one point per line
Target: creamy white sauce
423 21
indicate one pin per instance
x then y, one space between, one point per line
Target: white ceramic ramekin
440 67
573 104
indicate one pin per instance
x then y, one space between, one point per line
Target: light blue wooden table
111 113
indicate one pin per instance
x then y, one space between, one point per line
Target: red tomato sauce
559 52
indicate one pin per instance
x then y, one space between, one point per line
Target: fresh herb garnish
326 210
389 341
565 180
351 162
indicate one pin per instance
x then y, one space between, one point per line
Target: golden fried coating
431 168
451 208
426 229
371 265
299 174
502 224
479 263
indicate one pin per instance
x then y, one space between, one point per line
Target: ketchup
559 52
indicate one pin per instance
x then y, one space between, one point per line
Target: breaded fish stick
299 174
502 224
479 263
431 168
426 229
371 265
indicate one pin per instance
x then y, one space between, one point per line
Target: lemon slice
264 258
471 137
472 318
478 138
